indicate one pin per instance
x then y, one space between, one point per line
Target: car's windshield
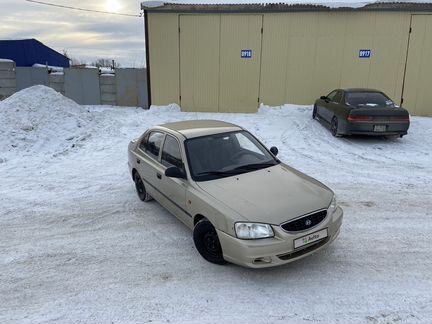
227 154
368 99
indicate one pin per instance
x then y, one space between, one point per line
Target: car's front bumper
278 250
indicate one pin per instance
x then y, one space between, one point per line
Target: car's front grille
305 222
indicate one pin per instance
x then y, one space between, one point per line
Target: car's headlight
333 205
249 231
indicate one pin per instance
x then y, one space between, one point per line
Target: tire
334 127
140 188
314 112
207 242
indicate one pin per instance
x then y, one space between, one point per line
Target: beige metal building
231 58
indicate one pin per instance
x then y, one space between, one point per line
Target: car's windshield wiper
230 172
239 169
255 166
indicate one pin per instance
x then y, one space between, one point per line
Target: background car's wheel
334 127
314 112
207 242
140 188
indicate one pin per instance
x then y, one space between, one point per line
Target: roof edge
160 6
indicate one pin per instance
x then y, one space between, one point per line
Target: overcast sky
84 35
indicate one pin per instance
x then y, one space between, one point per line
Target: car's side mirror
323 98
274 150
175 172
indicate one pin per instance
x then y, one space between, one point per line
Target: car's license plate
310 238
379 128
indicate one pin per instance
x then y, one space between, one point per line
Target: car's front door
324 107
174 189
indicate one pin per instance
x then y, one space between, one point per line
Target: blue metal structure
27 52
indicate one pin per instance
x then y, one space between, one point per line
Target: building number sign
246 54
365 53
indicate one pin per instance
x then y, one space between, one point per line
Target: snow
77 245
6 61
106 70
327 3
49 67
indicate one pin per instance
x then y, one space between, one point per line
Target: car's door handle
159 176
138 161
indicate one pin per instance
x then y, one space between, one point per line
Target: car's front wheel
140 188
314 112
207 242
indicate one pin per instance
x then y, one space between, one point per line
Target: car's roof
203 127
360 90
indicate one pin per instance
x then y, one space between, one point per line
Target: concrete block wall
7 79
108 90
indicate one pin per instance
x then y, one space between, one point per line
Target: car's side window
143 143
171 155
331 95
154 143
338 97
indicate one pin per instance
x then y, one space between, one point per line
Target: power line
82 9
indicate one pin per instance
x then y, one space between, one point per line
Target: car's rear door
174 189
336 107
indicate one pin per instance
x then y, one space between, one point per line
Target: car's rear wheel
314 112
334 127
207 242
140 188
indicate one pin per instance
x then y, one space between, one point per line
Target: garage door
220 59
240 61
417 96
199 62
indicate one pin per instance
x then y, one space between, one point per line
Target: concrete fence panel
7 79
131 87
56 81
108 89
82 86
30 76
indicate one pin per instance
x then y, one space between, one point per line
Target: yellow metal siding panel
417 93
199 62
239 77
389 53
164 58
306 55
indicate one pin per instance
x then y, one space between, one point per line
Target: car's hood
272 195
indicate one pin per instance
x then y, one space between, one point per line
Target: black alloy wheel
207 242
140 188
314 112
334 127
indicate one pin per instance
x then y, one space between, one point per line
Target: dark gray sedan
361 111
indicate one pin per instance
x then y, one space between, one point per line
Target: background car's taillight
400 119
359 118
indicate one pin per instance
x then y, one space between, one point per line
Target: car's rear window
368 99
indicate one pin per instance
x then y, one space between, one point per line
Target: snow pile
40 120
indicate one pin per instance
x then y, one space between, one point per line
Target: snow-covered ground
76 244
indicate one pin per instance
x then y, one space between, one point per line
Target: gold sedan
243 204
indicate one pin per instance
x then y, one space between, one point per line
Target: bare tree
73 60
104 62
